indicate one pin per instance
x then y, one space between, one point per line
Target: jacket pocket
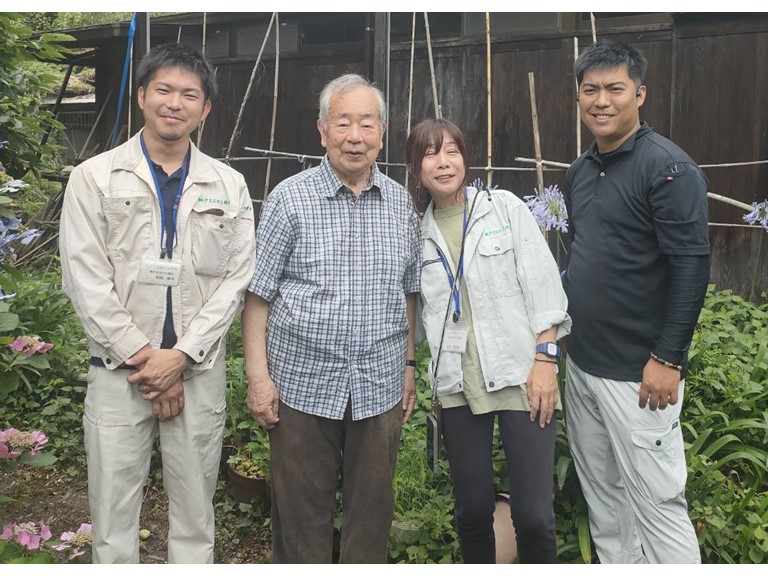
660 461
129 225
497 264
213 231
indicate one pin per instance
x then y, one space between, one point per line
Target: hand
659 386
263 401
158 369
169 404
409 392
542 390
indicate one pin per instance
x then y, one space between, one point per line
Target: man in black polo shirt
638 271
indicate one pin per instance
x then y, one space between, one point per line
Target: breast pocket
129 225
213 232
435 289
497 263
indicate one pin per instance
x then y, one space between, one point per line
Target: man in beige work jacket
157 248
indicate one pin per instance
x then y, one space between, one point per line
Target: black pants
530 453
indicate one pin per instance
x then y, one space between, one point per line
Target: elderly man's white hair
345 84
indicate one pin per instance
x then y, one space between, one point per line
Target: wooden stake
96 123
248 89
410 87
488 96
438 113
594 31
274 103
578 114
202 124
536 141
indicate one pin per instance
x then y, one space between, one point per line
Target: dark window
441 25
474 22
249 40
322 32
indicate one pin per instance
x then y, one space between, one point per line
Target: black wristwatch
411 363
549 349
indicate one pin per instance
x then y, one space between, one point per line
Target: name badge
455 339
159 271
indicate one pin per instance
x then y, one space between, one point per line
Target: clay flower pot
506 544
247 488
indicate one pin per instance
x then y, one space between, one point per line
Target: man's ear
321 129
640 95
140 97
206 110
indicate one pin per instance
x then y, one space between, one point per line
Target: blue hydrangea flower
548 209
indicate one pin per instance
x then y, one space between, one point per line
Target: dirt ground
62 502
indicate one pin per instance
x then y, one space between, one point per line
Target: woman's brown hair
430 132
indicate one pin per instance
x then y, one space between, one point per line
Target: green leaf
41 459
8 321
584 540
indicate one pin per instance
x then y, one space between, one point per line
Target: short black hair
604 54
177 56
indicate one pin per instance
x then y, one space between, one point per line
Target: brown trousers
311 457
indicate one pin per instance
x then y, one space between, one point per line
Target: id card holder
159 271
455 339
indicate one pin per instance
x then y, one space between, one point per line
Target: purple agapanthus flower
759 214
479 184
548 209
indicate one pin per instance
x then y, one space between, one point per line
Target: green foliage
22 120
725 423
45 392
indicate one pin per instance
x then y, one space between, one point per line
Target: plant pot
506 543
247 489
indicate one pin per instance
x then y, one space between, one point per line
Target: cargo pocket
129 221
215 436
660 461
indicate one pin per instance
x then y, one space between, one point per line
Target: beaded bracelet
666 363
547 361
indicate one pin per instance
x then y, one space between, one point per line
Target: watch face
549 349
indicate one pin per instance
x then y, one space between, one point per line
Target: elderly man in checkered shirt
328 335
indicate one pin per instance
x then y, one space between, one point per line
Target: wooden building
707 90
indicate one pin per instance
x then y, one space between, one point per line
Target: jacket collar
130 157
429 229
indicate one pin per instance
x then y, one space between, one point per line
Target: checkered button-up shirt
335 270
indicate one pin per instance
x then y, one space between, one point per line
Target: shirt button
658 442
491 384
497 248
108 361
602 174
201 353
357 235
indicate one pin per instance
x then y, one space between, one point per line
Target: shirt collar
334 185
627 146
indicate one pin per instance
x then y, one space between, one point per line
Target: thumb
139 358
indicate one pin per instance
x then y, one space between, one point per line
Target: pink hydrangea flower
76 541
29 345
27 534
14 442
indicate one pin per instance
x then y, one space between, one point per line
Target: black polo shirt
638 219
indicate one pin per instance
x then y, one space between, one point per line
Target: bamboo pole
578 114
489 156
248 89
438 112
274 102
730 201
536 138
594 29
410 86
96 122
542 162
202 124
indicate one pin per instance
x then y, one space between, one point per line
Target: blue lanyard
456 284
175 211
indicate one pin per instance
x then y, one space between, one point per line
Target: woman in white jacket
493 308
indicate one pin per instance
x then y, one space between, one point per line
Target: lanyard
184 170
456 284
